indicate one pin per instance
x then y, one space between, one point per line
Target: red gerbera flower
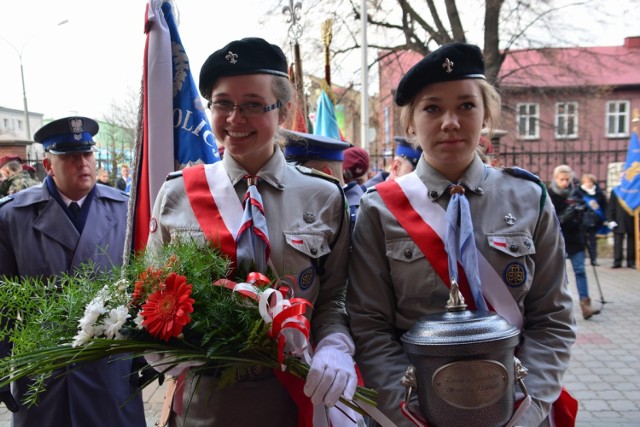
167 310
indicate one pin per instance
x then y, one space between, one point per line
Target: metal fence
542 163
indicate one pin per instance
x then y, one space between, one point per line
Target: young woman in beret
404 255
307 230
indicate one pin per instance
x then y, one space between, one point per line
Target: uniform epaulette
124 193
522 173
173 175
525 174
5 200
314 172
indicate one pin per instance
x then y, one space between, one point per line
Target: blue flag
326 122
193 139
628 191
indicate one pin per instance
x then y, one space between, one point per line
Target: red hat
6 159
28 168
355 163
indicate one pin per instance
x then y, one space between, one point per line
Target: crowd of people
373 252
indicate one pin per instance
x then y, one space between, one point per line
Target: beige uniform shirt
392 284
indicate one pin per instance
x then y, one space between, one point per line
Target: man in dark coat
63 223
621 222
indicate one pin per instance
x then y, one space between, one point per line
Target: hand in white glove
612 225
161 362
332 372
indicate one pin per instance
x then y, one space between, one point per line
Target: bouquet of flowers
176 304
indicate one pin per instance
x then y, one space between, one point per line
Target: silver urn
463 366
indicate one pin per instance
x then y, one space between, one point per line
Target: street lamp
24 89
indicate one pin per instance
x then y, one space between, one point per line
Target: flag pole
295 32
636 214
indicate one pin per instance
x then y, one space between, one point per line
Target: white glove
332 372
612 225
160 362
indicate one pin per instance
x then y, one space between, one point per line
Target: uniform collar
272 172
472 179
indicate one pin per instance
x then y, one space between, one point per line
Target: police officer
54 228
512 228
404 161
303 220
318 152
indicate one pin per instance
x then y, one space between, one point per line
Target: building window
617 119
19 124
528 118
567 120
6 123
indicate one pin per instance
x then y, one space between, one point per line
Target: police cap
453 61
301 147
68 135
250 55
407 151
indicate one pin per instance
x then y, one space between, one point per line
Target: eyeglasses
246 109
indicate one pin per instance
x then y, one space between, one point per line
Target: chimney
632 42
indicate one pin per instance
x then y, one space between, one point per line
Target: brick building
560 105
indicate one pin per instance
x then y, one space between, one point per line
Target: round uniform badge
305 279
514 275
153 225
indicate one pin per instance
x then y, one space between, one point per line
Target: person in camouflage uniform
15 178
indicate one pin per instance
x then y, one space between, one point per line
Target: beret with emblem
355 163
250 55
301 147
453 61
68 135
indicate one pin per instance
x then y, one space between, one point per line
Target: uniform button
433 194
313 251
280 185
479 190
513 247
408 253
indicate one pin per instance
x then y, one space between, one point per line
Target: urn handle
456 300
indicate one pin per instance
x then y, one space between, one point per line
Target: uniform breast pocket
512 256
410 273
301 259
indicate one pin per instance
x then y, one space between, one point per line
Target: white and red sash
218 211
215 204
425 222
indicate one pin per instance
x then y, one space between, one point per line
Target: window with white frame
617 117
566 120
528 119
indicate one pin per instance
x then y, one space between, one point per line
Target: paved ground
604 374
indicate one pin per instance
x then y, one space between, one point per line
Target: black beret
453 61
68 135
250 55
301 147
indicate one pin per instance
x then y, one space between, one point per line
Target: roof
572 67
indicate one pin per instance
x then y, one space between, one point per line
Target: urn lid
459 326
